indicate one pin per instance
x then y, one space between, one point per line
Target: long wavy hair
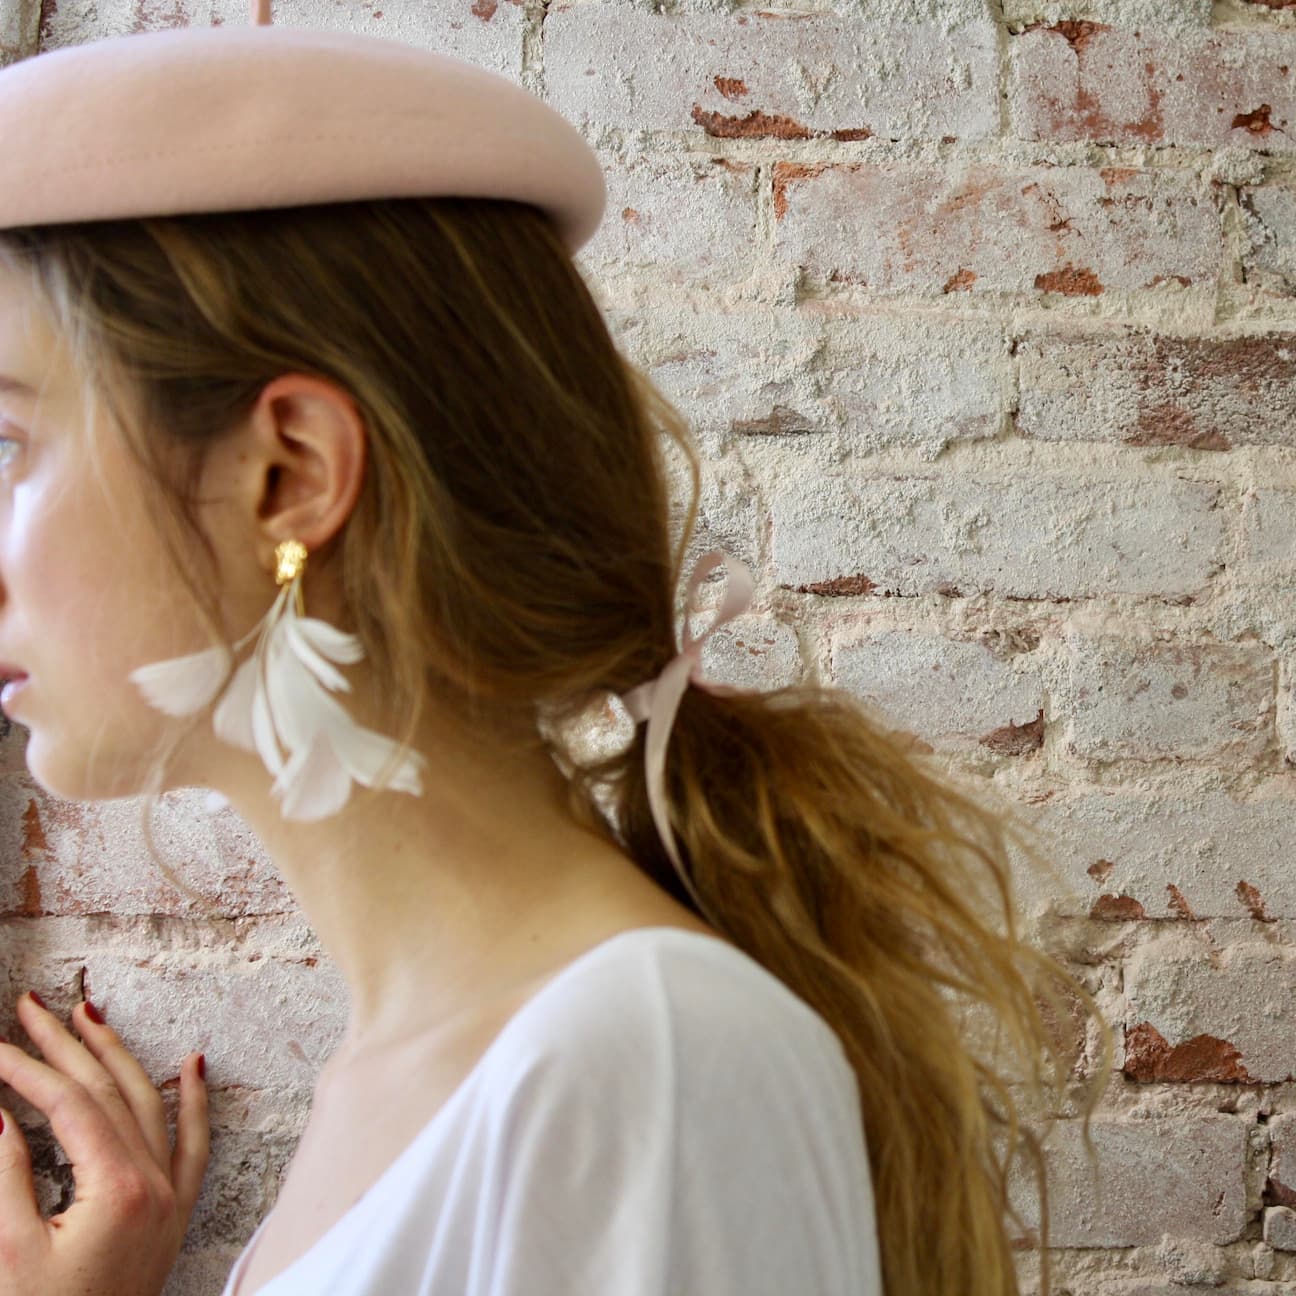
510 553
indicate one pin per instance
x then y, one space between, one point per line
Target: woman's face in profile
84 594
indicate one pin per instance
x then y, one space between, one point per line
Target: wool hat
208 119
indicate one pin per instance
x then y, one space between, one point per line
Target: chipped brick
730 87
841 585
1255 905
1148 1057
1100 870
756 125
1017 739
1073 281
1179 905
1257 122
812 74
33 831
1117 908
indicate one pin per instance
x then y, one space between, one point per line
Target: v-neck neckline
464 1087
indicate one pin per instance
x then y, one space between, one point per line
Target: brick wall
982 312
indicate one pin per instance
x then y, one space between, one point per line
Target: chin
107 778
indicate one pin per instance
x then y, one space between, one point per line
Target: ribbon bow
658 700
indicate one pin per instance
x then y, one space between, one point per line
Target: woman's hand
134 1195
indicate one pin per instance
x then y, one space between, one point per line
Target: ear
304 458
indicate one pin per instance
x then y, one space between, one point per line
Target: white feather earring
277 696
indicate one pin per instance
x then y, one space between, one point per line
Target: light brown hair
510 554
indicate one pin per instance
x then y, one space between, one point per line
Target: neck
430 905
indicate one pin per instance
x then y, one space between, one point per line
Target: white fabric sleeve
683 1140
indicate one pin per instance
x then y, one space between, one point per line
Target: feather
279 696
182 685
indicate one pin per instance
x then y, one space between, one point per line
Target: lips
8 672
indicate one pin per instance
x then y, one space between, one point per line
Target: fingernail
202 1066
36 999
93 1013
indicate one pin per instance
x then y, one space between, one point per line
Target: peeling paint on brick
1251 898
756 125
780 421
1117 908
1170 424
1180 906
1100 870
731 87
1077 34
1256 122
1149 1057
785 173
961 280
1015 739
33 832
840 585
1074 281
30 902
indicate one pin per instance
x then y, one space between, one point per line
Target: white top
663 1118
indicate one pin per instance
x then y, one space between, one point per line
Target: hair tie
657 700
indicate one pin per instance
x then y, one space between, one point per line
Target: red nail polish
36 999
93 1013
202 1066
1 1124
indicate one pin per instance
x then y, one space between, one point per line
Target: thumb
20 1217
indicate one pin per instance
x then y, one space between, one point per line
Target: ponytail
881 895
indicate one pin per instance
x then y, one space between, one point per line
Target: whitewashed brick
680 219
1195 855
1191 1168
948 693
872 383
784 75
1043 538
940 230
1149 700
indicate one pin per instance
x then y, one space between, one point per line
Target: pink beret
207 119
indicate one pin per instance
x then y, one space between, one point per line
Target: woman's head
499 542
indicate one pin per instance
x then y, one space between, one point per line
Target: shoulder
651 985
658 1015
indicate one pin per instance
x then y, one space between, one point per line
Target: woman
675 1018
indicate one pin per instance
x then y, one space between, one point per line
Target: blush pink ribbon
658 700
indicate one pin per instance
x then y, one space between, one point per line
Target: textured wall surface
983 312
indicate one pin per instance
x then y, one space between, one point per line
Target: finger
129 1077
193 1136
70 1056
80 1124
20 1218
